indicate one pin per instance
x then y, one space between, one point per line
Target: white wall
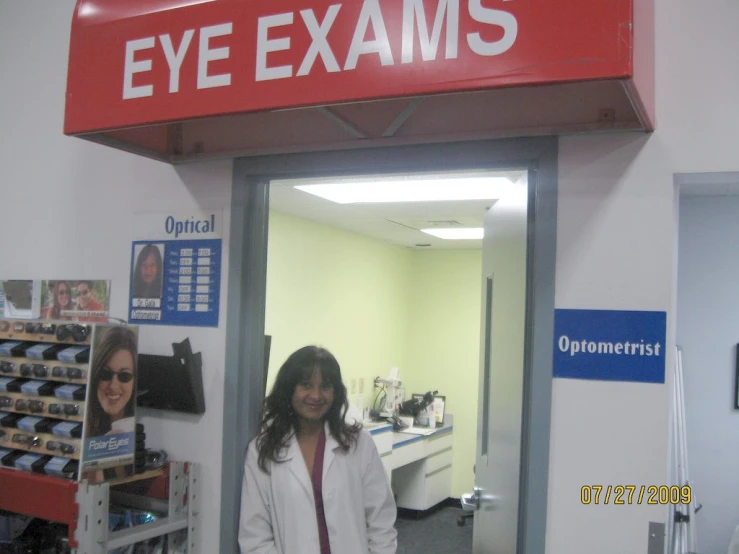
68 207
616 250
707 332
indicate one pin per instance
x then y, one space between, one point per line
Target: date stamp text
635 494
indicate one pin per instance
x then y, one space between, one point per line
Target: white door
498 464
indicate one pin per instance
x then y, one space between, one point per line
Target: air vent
444 223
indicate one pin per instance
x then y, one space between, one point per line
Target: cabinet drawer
384 442
438 486
408 453
438 460
438 443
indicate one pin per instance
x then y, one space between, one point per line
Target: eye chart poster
176 269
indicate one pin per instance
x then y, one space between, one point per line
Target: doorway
538 158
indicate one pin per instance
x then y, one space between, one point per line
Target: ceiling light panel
411 190
457 233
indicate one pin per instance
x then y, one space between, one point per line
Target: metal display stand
682 533
85 508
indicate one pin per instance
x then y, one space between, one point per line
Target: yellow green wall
443 344
339 290
378 306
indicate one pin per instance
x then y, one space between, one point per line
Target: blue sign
176 282
610 345
116 446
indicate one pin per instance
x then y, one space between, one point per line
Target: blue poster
610 345
176 271
112 448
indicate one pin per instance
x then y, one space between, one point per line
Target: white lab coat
278 514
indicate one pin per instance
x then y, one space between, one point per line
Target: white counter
418 466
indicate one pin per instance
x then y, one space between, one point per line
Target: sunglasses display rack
43 376
44 371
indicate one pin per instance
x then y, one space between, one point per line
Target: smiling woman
313 483
111 399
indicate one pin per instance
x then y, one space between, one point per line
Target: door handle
472 502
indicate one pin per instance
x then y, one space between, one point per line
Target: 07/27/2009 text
635 494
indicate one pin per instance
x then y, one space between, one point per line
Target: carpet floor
437 533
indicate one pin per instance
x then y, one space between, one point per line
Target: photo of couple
83 300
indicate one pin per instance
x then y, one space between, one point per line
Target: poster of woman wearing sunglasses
109 435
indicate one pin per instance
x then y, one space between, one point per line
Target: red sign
146 61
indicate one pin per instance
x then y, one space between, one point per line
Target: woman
61 300
111 394
147 275
312 483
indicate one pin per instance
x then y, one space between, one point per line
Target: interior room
707 331
390 285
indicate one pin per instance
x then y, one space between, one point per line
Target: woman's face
63 296
149 269
313 398
115 385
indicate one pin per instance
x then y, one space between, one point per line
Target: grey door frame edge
244 357
243 379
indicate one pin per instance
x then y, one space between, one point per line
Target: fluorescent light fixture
456 233
444 189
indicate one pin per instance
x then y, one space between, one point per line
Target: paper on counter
419 430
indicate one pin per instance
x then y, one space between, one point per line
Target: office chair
466 515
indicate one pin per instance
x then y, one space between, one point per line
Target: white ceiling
393 223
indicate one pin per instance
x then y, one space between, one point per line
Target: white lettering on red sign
319 45
414 13
492 17
206 54
174 59
265 46
370 21
371 14
130 67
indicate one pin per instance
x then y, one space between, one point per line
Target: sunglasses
36 406
107 375
66 409
63 446
70 372
7 367
27 440
83 292
39 370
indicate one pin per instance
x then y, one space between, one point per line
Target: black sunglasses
70 372
36 406
107 375
40 370
63 446
7 367
27 440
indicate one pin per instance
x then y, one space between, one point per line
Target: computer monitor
173 383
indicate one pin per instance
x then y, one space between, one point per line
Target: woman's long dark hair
56 310
140 288
115 339
279 419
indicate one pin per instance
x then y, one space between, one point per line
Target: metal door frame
244 379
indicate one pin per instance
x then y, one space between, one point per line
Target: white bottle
439 406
